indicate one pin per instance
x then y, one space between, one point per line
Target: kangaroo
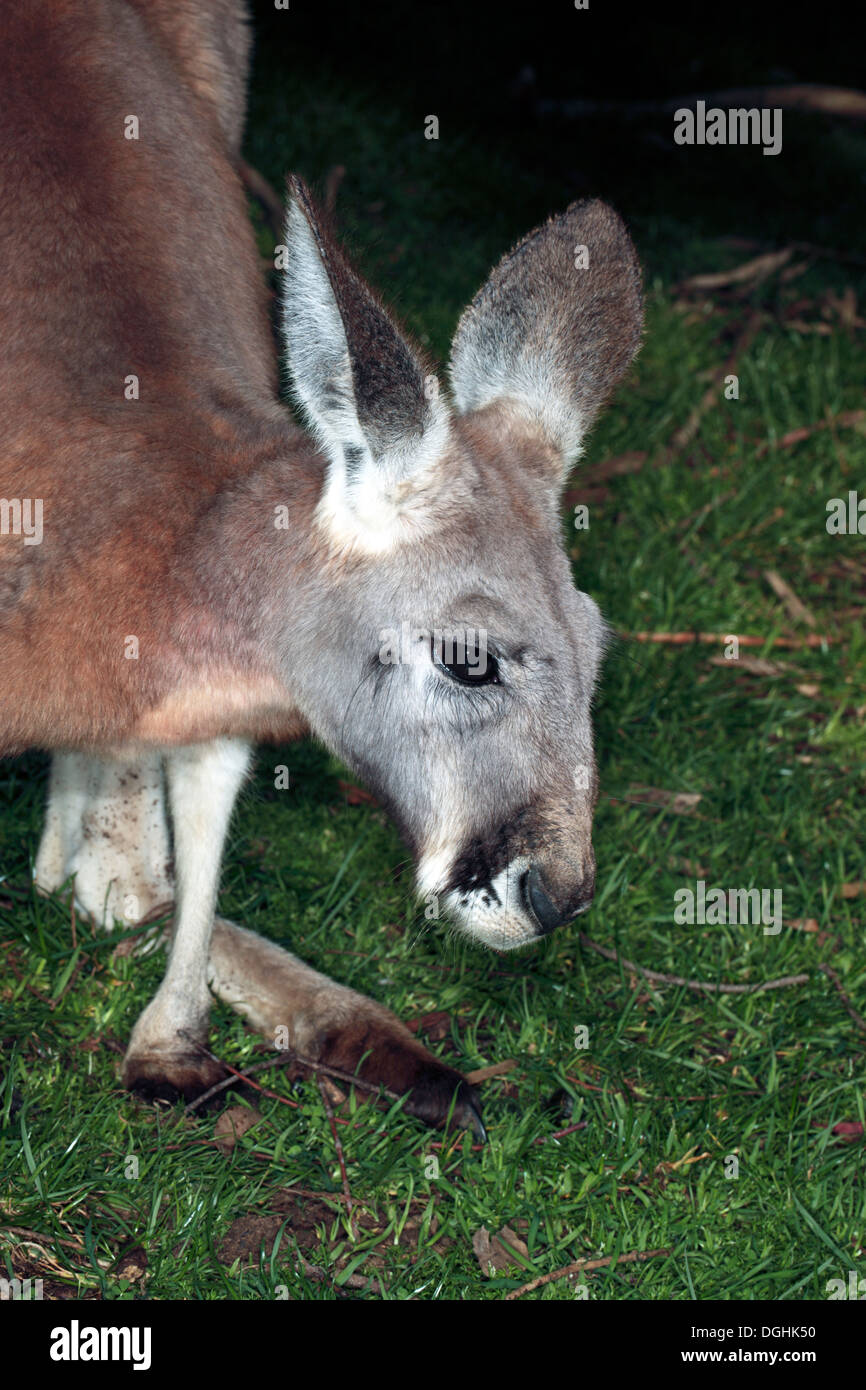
206 575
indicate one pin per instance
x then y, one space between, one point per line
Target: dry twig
700 986
683 639
682 437
810 97
794 606
848 419
753 271
581 1266
344 1177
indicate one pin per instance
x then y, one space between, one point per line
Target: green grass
672 1081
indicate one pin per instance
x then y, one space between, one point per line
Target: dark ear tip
597 211
605 221
317 221
299 193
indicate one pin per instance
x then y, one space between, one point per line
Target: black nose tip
539 902
541 907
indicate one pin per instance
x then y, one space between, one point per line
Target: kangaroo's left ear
371 401
555 327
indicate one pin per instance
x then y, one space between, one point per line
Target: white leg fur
105 826
203 782
61 837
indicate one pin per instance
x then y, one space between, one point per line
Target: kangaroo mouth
497 914
482 884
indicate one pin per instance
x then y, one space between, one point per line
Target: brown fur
149 268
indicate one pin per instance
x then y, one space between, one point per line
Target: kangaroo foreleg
295 1007
165 1051
107 829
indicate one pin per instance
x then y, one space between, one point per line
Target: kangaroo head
455 662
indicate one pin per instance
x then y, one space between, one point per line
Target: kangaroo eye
469 662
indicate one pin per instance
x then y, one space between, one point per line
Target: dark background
463 63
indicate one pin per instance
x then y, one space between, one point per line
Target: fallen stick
801 326
833 253
30 1237
576 1266
804 96
234 1075
756 269
834 980
682 639
487 1073
630 462
344 1177
848 419
794 606
284 1059
700 986
352 1281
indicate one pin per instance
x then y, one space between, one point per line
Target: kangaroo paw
380 1051
167 1058
180 1075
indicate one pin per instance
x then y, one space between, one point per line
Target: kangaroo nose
541 906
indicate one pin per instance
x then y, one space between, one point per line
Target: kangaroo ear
556 325
371 402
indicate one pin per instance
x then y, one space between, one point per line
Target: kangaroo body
113 277
207 575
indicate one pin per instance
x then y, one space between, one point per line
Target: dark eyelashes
467 708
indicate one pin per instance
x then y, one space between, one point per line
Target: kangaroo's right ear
374 406
556 325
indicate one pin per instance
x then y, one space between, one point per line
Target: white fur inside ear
370 502
485 370
316 347
379 504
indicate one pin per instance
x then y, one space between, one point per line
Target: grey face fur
445 519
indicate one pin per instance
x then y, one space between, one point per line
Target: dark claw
475 1122
443 1092
467 1112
